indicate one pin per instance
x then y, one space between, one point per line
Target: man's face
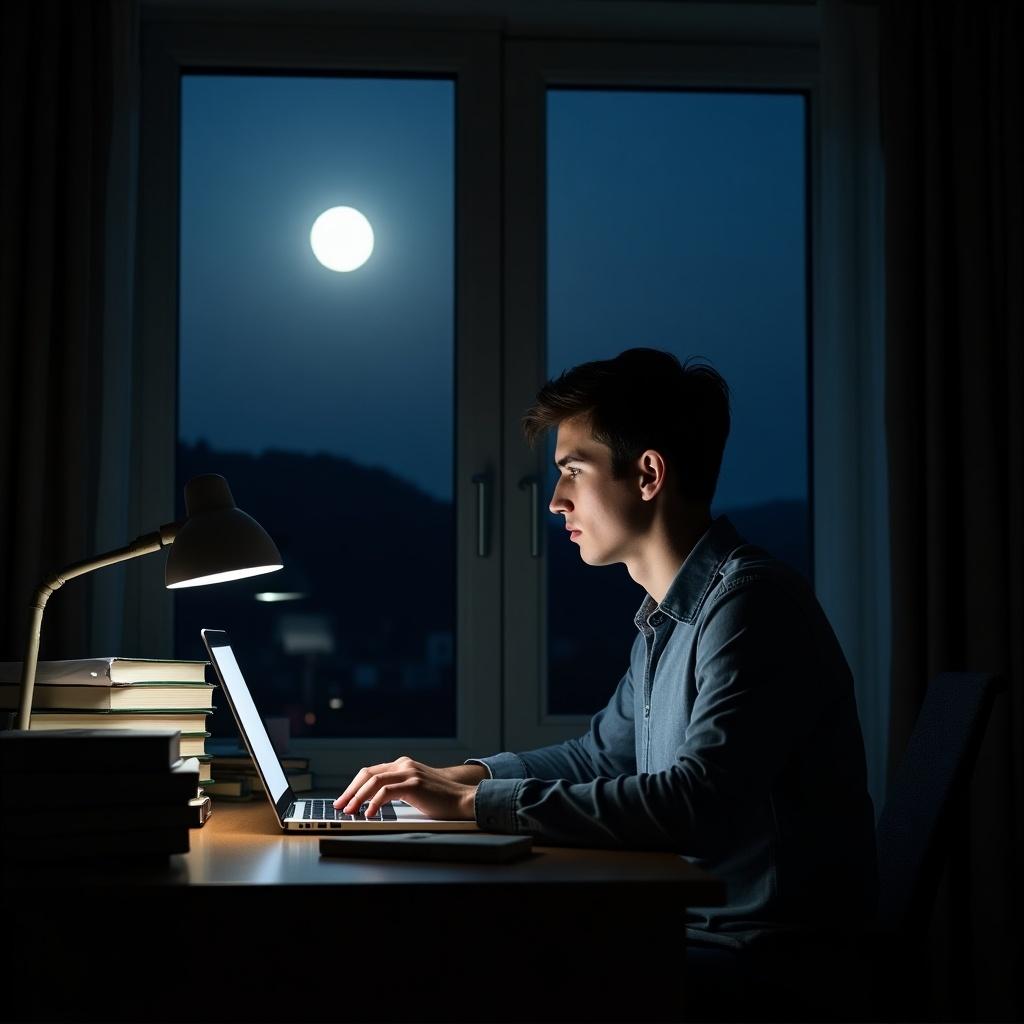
605 514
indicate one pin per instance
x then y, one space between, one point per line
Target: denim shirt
732 739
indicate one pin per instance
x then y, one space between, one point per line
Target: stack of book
77 794
236 776
121 693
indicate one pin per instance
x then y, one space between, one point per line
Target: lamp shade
217 541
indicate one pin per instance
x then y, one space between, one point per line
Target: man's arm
607 747
756 698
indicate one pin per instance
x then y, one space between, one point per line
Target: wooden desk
252 925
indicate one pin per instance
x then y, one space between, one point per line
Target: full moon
341 238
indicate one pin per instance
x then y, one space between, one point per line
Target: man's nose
558 504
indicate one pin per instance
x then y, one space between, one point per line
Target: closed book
201 807
106 817
185 720
127 697
193 744
300 782
83 788
109 671
108 846
230 789
89 750
244 763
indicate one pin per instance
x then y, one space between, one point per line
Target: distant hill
375 557
352 531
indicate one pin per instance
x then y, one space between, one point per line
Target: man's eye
573 472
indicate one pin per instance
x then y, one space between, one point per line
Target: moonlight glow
342 238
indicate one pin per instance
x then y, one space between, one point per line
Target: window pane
676 220
325 396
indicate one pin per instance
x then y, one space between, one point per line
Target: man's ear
652 474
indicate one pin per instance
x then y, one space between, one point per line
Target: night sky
676 220
276 350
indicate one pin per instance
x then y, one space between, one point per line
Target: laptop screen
249 721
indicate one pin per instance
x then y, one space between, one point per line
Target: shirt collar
696 576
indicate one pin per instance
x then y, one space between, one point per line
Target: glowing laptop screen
249 720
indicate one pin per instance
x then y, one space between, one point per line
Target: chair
926 804
883 967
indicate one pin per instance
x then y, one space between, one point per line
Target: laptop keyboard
323 810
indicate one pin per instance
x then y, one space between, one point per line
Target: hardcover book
123 697
230 789
244 763
193 744
299 781
108 845
89 750
108 671
87 788
184 720
98 818
201 807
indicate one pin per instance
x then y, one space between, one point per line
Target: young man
733 736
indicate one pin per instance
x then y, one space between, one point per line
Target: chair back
924 795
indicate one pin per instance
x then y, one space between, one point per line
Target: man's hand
437 792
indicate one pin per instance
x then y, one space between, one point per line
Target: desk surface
241 843
549 938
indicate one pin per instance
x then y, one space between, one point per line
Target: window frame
837 71
533 68
826 49
471 59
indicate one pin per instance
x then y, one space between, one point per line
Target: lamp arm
146 544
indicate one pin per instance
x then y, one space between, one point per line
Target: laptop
302 813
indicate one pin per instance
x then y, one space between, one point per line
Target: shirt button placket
655 620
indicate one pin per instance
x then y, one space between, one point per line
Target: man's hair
645 398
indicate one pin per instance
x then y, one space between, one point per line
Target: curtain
952 134
54 107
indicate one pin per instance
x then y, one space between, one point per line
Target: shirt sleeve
608 747
755 698
483 764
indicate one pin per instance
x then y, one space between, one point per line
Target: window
378 656
325 397
676 220
505 304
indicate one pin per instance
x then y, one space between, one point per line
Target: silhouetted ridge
375 554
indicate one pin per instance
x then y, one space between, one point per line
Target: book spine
58 750
107 671
46 849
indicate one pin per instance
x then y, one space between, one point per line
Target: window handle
533 484
482 482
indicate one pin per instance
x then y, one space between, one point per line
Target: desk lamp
216 542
